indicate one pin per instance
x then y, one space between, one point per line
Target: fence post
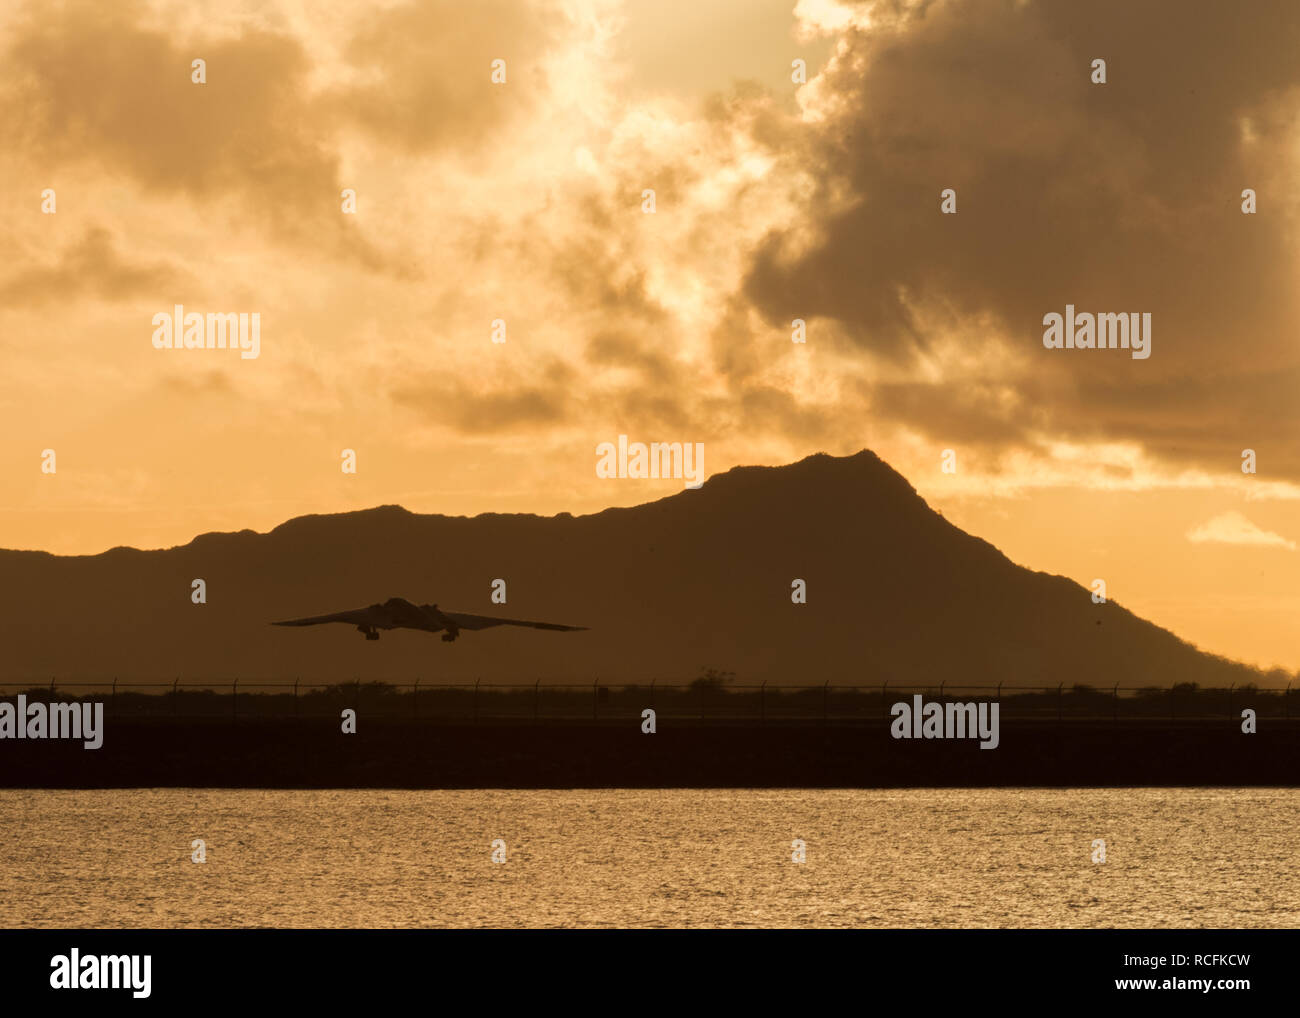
51 688
113 700
595 699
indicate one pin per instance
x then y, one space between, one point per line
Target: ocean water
634 858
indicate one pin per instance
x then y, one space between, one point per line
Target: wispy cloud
1234 528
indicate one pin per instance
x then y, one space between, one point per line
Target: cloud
92 267
420 72
1233 528
88 84
1116 197
88 80
500 406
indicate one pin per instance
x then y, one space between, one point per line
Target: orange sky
522 201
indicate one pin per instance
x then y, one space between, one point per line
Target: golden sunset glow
523 201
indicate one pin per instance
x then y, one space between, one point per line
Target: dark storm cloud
1116 197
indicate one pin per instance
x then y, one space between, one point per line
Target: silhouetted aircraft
398 613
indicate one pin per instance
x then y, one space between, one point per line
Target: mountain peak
893 593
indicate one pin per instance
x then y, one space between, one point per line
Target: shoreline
614 753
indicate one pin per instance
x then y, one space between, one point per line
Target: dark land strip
312 752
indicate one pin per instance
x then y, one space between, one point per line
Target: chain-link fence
701 700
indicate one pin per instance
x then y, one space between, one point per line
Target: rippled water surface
937 857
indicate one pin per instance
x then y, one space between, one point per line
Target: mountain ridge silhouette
694 580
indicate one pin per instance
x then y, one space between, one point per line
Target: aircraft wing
357 617
487 621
